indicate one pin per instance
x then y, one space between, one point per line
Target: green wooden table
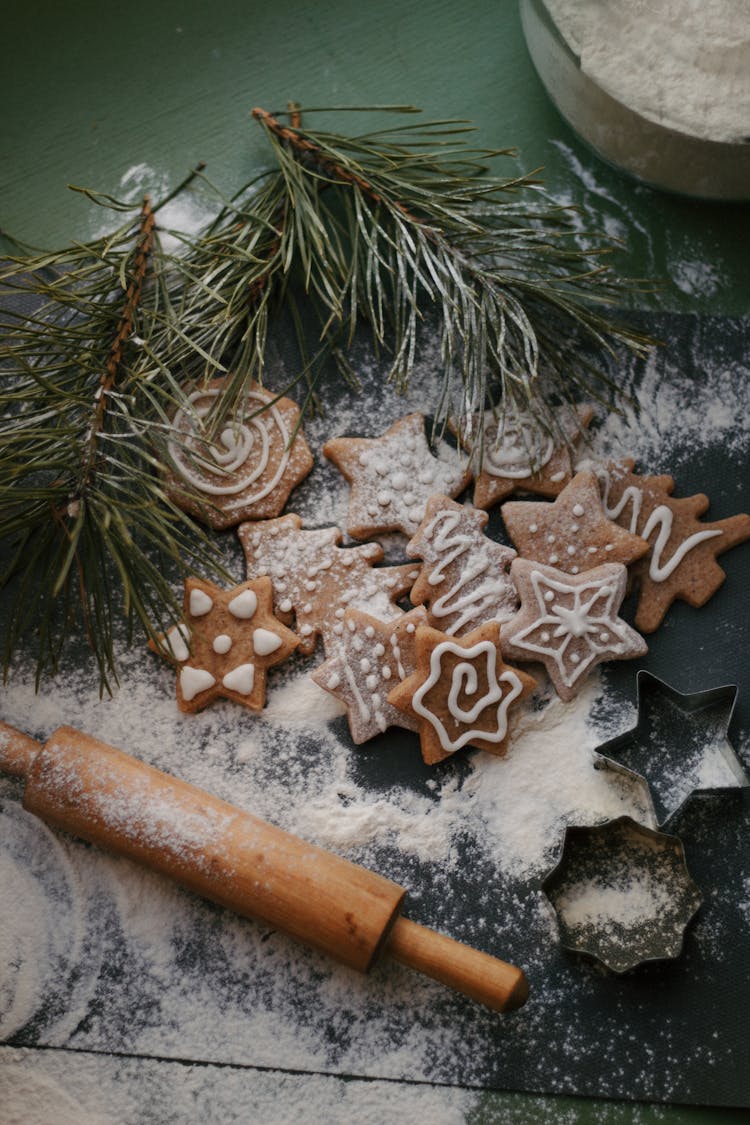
106 96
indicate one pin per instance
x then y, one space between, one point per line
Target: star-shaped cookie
371 658
393 476
680 744
464 578
681 561
573 533
460 692
569 622
315 580
518 455
248 470
226 643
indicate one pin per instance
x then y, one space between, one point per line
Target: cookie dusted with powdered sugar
572 534
370 659
248 469
461 692
682 548
569 622
315 580
225 644
464 579
393 476
518 455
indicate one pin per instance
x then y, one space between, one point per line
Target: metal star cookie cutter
622 893
679 745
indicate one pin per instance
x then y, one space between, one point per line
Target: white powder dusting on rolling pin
684 65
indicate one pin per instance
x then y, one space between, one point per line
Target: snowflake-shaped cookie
464 579
249 469
572 534
520 456
461 691
569 622
315 580
681 562
394 475
226 643
370 659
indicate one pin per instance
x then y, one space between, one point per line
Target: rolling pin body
89 789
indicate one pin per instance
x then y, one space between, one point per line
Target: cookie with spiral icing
245 471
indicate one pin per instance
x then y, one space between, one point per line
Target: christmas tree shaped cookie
393 476
569 622
572 534
226 643
681 560
371 658
464 578
315 580
518 455
461 692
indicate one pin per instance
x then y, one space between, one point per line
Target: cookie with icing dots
569 622
519 455
248 469
370 659
393 476
461 692
682 548
315 580
464 579
225 644
573 533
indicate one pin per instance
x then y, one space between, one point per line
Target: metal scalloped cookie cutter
622 893
679 745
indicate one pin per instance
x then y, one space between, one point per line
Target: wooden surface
107 96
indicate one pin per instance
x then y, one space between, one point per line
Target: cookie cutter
679 745
622 893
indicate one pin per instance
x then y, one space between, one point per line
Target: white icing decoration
661 518
464 681
193 681
244 605
241 448
517 448
265 642
222 644
176 641
468 605
199 603
579 621
240 679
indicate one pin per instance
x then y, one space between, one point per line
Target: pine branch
87 529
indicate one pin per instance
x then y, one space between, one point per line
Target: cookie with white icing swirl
245 471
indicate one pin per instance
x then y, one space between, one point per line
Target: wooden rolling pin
89 789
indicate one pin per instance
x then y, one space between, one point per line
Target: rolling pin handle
17 751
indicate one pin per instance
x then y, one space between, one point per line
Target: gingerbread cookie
569 622
681 562
518 455
315 580
460 692
370 659
572 534
394 475
464 579
226 643
248 470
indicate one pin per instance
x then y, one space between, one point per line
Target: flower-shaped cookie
569 622
248 470
460 692
226 643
